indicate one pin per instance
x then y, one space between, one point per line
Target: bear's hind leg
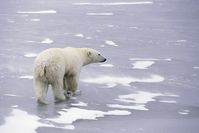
41 89
58 91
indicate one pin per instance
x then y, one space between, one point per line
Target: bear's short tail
43 71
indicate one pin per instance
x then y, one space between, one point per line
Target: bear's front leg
72 82
67 93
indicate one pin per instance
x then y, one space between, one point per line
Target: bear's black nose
104 60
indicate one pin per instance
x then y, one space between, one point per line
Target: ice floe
23 122
115 3
37 12
142 64
111 43
30 55
47 41
138 100
26 77
100 14
112 81
68 116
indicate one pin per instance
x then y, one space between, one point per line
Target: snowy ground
148 85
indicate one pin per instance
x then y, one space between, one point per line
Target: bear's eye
98 54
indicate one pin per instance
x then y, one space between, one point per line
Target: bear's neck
86 60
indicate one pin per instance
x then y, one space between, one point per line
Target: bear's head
93 56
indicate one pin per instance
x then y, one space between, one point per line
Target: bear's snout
104 60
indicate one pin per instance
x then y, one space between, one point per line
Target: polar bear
60 68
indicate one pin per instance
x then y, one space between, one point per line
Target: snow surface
111 43
68 116
47 41
80 104
79 35
31 55
35 20
23 122
150 59
38 12
26 77
112 81
168 101
106 65
196 67
184 112
115 3
142 64
138 101
100 14
11 95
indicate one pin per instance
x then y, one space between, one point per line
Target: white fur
60 67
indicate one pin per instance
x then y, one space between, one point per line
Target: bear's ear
89 53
